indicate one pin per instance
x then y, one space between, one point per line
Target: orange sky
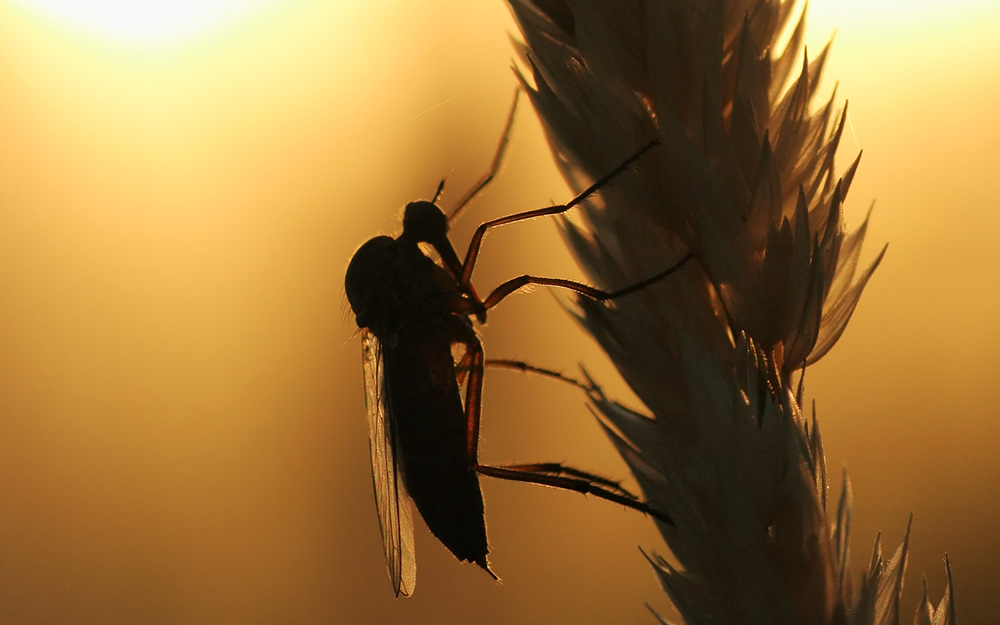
182 435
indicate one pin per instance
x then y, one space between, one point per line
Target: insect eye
424 221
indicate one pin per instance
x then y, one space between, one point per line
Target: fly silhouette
412 312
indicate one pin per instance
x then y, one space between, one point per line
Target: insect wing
393 502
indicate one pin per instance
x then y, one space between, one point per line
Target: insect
412 312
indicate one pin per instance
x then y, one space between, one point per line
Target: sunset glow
183 429
148 24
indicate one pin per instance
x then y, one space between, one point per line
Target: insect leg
465 364
567 478
463 367
473 397
520 365
557 468
477 238
494 166
514 284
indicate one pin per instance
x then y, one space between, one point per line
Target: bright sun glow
144 23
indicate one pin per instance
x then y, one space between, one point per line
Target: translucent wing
393 502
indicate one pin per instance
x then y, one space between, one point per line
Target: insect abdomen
431 438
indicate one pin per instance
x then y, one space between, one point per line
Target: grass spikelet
744 179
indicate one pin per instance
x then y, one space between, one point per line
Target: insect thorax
390 283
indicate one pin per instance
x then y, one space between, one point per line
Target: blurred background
182 430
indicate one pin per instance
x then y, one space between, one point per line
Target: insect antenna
440 189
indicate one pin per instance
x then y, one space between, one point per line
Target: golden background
182 431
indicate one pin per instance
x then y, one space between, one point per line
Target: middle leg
520 282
